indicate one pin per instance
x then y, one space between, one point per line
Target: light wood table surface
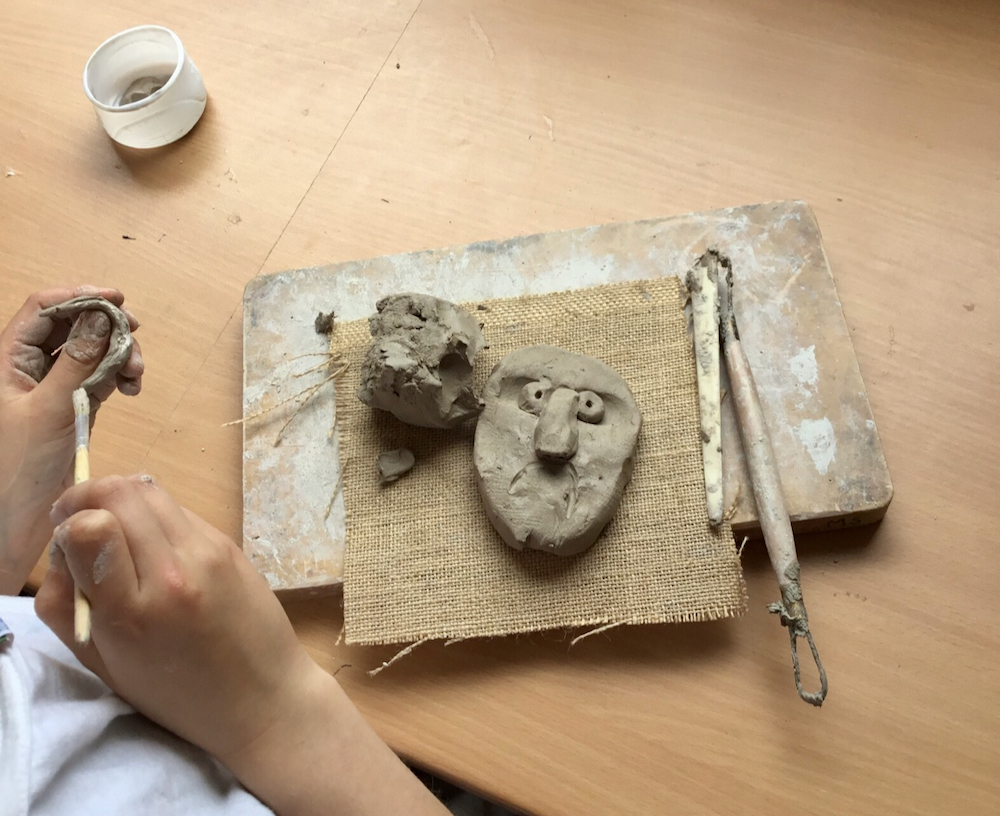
340 130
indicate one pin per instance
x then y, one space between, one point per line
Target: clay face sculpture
419 365
554 448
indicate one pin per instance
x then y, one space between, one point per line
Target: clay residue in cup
141 88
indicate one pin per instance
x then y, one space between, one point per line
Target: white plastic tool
146 90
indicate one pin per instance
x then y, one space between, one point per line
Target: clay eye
591 408
533 397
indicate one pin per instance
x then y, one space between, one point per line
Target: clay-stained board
832 467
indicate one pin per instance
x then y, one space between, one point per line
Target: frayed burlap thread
422 560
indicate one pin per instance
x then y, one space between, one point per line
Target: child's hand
36 416
183 627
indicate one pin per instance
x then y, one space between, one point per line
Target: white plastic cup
144 87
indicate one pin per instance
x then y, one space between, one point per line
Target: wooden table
368 127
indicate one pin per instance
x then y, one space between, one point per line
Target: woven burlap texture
423 561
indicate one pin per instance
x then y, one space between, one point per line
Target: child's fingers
27 343
129 379
85 347
168 513
99 561
55 606
126 499
28 327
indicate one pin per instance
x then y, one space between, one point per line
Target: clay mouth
556 483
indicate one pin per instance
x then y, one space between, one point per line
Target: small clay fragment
554 448
419 365
120 345
324 322
393 464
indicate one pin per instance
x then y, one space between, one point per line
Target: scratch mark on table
481 36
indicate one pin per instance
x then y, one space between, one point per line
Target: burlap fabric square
422 560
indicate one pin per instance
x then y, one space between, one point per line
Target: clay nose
557 434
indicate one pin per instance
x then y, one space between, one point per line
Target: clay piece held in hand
120 346
419 365
393 464
554 448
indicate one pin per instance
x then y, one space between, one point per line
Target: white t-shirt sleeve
69 745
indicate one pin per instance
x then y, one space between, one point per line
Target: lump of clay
393 464
324 322
419 365
554 448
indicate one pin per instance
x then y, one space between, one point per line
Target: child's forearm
23 537
323 758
